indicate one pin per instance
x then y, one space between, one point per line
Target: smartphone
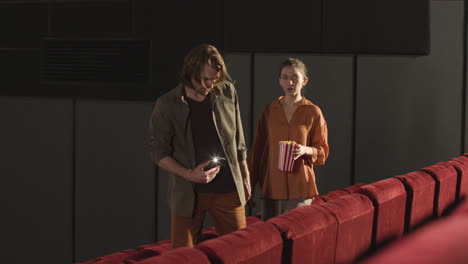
211 165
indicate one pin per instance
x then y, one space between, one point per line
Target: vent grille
108 61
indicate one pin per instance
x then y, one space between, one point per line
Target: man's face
209 77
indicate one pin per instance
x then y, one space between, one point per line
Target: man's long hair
196 59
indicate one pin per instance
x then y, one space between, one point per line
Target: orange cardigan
307 127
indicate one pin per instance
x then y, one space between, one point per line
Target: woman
289 118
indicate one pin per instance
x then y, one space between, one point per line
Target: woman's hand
300 150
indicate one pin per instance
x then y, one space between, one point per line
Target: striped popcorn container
286 156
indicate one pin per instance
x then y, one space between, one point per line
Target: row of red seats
443 240
132 256
343 226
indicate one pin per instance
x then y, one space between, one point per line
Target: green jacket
171 135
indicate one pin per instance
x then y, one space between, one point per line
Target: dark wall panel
269 27
331 88
163 222
409 108
91 19
114 178
174 28
37 183
395 26
339 26
240 66
369 26
20 72
22 25
465 121
104 69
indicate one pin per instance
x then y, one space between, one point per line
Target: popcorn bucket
286 156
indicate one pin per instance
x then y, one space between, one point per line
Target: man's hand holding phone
203 173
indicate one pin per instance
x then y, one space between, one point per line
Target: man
190 125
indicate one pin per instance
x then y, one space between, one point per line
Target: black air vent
95 61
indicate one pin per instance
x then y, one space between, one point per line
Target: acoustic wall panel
409 108
115 178
356 26
239 66
262 26
20 72
23 24
174 27
101 19
163 221
95 61
339 25
367 26
465 147
36 166
331 88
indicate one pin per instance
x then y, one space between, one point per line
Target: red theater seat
353 188
354 214
210 232
114 258
444 240
133 256
461 209
461 165
162 243
334 194
389 199
446 186
257 243
420 188
318 200
337 193
177 256
310 235
148 251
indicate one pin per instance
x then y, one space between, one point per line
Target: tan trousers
225 209
273 207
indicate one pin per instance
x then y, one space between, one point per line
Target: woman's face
292 80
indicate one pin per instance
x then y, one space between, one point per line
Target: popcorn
286 156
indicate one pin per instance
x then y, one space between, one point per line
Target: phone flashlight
216 161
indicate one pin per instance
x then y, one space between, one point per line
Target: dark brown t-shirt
207 145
